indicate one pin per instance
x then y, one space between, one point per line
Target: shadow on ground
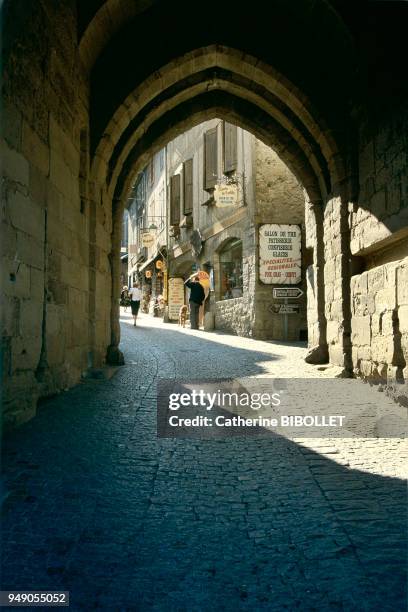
95 504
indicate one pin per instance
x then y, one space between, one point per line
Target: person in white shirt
135 296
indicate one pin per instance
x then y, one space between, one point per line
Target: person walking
124 297
135 296
197 296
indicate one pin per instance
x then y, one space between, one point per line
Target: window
231 270
230 147
175 200
188 186
210 159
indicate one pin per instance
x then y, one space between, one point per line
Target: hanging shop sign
226 195
280 260
204 279
148 239
196 242
175 296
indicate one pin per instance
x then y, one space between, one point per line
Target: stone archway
89 93
235 110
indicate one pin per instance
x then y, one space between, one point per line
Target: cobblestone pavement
97 505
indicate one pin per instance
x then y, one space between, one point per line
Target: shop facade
222 235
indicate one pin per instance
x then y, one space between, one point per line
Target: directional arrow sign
287 292
284 308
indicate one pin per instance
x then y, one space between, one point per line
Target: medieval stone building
86 104
222 240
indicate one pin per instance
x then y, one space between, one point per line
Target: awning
151 260
147 263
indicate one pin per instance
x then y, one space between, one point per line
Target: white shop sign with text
280 259
226 195
176 297
148 239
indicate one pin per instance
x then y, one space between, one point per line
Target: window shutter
175 200
151 172
210 159
230 147
188 186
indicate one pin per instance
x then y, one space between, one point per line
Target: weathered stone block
366 368
359 284
31 316
57 291
62 145
385 299
364 353
333 331
364 305
403 319
55 349
26 215
15 165
60 175
337 355
387 323
376 279
361 330
402 284
38 185
11 125
34 149
36 284
25 352
10 316
8 242
366 161
30 250
16 278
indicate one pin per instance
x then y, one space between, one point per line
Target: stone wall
379 237
54 240
58 247
380 322
233 316
382 215
278 199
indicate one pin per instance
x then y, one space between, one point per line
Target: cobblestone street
96 505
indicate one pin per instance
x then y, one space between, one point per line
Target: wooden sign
175 296
147 239
280 257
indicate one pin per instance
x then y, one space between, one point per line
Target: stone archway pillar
114 355
337 281
317 325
